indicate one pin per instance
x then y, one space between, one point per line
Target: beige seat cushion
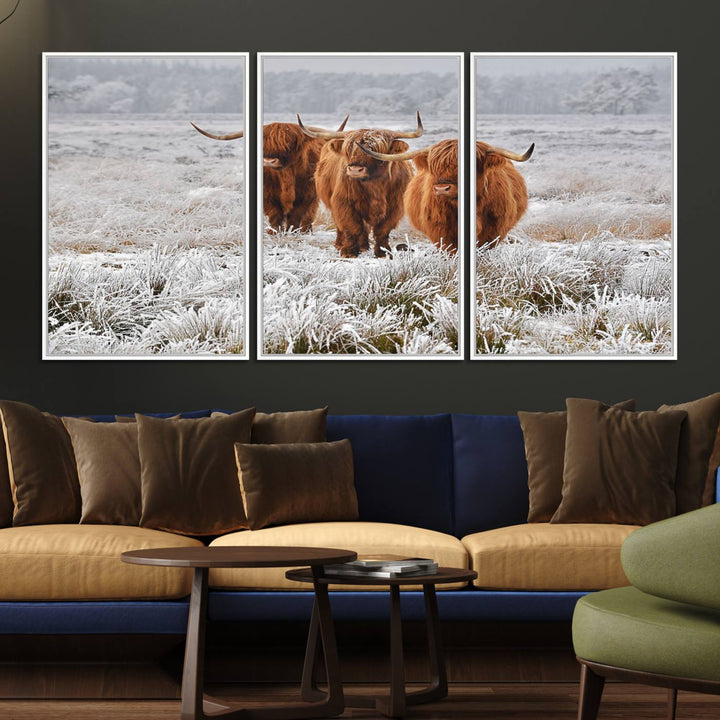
82 562
365 538
544 556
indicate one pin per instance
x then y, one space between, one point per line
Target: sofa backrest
403 467
458 474
491 479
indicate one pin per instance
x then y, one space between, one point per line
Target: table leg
309 687
394 706
196 707
335 702
438 687
193 669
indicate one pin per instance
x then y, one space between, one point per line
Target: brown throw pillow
297 426
108 466
188 474
6 501
544 435
131 418
619 466
697 438
297 483
710 491
41 466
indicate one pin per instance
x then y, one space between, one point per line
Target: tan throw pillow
619 466
697 438
297 426
544 435
188 474
108 466
297 483
41 466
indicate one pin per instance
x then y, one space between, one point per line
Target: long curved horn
416 133
342 124
231 136
390 157
511 155
323 134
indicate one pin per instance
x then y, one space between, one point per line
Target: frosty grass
146 250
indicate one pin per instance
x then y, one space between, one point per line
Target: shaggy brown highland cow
290 200
363 194
431 198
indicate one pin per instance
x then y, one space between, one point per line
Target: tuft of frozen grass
600 297
168 301
317 303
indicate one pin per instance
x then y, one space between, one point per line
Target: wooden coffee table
196 707
396 703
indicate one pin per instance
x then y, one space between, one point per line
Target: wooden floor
477 701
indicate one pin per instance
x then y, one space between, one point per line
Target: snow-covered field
145 237
146 248
589 269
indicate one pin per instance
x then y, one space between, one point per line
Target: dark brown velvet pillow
188 474
6 501
131 418
710 491
297 483
41 465
697 439
297 426
620 466
544 435
108 466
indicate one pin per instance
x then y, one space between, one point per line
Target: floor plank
476 701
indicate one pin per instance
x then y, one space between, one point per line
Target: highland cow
431 198
290 200
363 194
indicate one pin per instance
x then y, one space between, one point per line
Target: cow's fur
290 200
501 196
361 205
435 216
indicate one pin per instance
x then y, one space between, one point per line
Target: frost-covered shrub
314 302
604 296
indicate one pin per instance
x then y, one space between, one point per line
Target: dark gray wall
323 25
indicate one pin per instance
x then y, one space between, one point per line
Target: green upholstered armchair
664 629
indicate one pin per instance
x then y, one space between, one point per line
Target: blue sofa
452 473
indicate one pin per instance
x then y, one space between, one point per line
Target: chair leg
591 688
672 703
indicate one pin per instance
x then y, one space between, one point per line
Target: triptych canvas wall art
361 185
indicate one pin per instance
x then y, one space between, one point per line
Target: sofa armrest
677 558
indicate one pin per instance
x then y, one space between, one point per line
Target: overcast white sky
363 63
519 65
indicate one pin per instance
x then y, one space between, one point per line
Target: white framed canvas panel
347 268
576 246
145 219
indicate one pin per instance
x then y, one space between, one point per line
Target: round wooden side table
194 706
396 703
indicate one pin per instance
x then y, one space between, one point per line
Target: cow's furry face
441 162
358 164
487 159
281 144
